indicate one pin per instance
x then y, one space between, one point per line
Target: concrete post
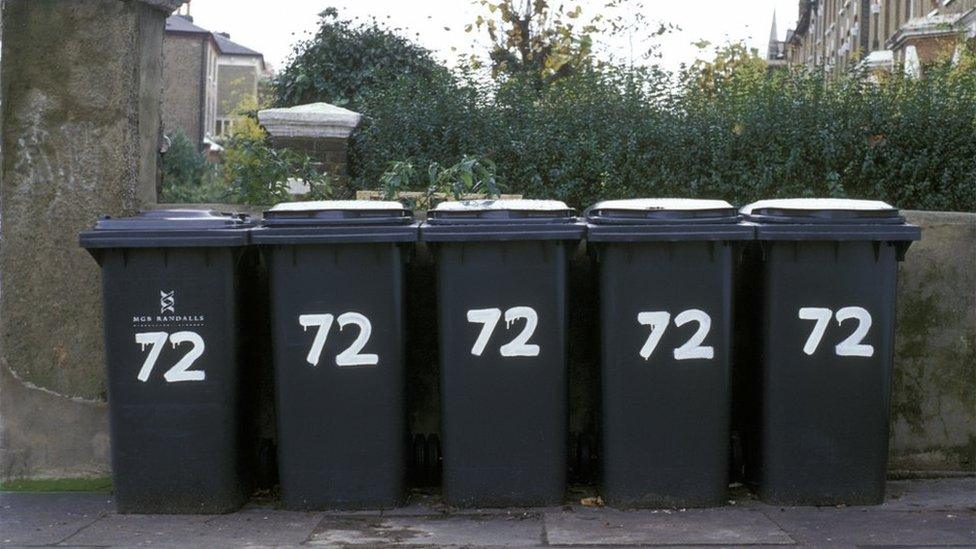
319 130
81 86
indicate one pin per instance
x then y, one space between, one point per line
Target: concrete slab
467 530
251 527
866 527
949 494
726 526
46 518
141 530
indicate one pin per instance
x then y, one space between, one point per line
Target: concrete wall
934 392
182 87
80 131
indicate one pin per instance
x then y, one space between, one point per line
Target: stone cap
312 120
168 6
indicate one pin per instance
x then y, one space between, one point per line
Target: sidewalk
918 512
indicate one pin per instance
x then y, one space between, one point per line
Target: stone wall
80 131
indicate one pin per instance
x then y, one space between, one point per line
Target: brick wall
182 58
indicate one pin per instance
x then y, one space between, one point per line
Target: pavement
939 512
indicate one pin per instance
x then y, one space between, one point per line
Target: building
239 72
841 34
205 77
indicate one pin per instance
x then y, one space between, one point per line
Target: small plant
253 172
472 176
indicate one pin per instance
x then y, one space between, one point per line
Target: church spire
774 43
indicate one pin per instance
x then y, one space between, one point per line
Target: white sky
273 26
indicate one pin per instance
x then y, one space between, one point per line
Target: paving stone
871 527
46 518
251 526
950 494
467 530
726 526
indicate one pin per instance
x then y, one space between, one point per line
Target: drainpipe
204 62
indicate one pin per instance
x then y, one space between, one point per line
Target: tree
530 38
345 60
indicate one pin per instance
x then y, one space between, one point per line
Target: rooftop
182 25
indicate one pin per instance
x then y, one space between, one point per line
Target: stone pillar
81 87
319 130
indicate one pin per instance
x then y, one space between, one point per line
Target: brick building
205 77
840 34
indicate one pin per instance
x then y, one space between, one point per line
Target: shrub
728 129
249 172
187 175
253 172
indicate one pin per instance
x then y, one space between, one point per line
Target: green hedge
739 133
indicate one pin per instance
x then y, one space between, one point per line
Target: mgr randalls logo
167 302
167 313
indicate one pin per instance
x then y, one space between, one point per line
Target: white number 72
851 346
181 370
489 318
353 355
693 348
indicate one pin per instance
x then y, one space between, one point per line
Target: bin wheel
433 459
420 459
586 459
575 468
737 463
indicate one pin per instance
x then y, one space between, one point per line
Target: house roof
178 23
181 25
229 47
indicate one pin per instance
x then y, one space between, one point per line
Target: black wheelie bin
336 270
665 270
502 277
171 283
815 383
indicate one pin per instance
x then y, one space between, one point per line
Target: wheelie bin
336 271
665 286
502 316
816 380
170 284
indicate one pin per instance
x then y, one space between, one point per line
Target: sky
273 26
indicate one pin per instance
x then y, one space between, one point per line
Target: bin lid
336 221
337 212
828 219
662 210
670 219
168 229
822 210
480 220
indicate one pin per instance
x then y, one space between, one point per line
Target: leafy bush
187 176
727 129
346 59
255 173
249 172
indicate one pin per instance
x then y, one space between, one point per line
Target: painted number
852 345
181 370
692 349
489 318
353 355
